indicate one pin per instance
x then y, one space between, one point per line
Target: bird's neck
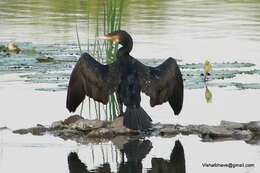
126 48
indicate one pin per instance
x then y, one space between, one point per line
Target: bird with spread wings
127 77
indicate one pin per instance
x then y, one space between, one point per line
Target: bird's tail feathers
137 119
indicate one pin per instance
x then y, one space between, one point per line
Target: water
29 153
192 31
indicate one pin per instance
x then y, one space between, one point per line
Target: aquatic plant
108 19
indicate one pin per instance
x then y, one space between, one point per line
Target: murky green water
225 32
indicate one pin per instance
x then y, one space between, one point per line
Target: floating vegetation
64 57
45 59
218 65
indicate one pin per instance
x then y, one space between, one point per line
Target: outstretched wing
162 83
93 79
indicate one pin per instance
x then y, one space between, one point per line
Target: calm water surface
190 30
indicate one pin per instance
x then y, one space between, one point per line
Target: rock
183 130
4 128
40 125
168 130
124 131
119 129
34 130
255 140
214 131
81 130
57 125
21 131
242 134
12 47
117 123
102 132
232 125
38 130
68 133
72 119
254 126
87 125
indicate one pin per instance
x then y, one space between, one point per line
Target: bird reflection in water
176 164
135 151
76 166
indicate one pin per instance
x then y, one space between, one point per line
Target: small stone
72 119
4 128
214 131
12 47
102 132
40 125
124 131
33 130
118 127
21 131
169 130
88 124
38 130
57 124
67 133
254 126
255 140
242 134
117 123
232 125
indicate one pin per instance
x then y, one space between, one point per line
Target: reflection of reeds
108 19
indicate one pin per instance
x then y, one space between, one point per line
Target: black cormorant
127 77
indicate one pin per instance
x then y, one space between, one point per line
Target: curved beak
104 37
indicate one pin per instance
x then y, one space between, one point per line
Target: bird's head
117 37
120 37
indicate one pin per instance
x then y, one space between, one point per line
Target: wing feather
163 83
93 79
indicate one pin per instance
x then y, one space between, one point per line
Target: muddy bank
84 130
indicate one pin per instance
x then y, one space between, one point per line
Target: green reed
112 21
108 18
